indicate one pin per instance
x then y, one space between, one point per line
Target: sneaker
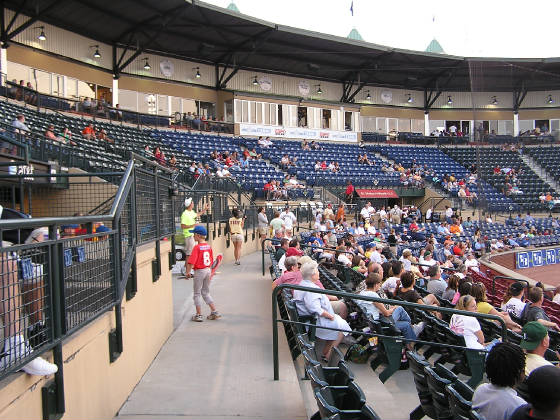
237 262
40 367
418 328
16 348
214 315
197 318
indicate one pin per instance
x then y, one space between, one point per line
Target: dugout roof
208 34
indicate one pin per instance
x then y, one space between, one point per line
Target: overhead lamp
494 100
449 100
96 54
42 36
368 96
255 81
550 100
319 91
409 100
147 66
197 75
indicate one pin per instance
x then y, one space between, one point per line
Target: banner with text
537 258
296 133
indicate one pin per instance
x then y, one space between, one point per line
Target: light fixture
319 91
42 36
96 54
550 100
147 66
409 100
449 100
494 100
368 96
197 75
255 81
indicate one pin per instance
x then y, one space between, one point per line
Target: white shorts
189 245
237 237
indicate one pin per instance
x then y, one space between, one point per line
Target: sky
473 28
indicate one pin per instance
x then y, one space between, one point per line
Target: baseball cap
542 386
427 254
199 230
533 333
516 287
188 201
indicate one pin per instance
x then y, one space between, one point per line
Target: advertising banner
296 133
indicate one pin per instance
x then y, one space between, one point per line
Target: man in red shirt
89 132
201 259
349 192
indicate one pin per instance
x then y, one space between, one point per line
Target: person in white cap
188 221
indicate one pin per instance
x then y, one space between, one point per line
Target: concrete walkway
220 369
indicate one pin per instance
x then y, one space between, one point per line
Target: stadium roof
197 31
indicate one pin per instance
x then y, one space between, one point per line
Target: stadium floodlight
96 54
319 91
42 36
449 100
368 96
255 81
197 75
409 100
494 100
550 100
147 66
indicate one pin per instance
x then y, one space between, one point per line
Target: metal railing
50 289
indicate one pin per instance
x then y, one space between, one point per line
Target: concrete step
541 172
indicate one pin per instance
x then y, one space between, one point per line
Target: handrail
506 278
339 294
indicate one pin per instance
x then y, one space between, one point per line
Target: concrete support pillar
426 123
515 124
115 92
3 65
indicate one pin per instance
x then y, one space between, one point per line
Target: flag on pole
352 8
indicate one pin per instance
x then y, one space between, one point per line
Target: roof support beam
358 90
518 98
261 40
32 19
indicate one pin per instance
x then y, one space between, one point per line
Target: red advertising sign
362 193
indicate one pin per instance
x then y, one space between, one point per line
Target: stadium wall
94 387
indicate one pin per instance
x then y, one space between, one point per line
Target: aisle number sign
537 258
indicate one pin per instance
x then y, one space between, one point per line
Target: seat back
460 396
417 364
438 378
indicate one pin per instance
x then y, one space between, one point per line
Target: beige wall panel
43 61
544 114
167 88
375 111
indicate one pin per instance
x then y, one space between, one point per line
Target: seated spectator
102 135
49 133
19 125
291 275
533 310
468 326
452 291
556 298
478 291
505 366
309 303
512 302
535 343
223 172
407 293
30 94
436 285
89 132
172 162
66 136
13 89
397 313
542 388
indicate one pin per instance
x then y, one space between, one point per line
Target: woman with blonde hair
468 326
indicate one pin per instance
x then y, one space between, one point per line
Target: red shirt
201 256
349 189
88 130
267 187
